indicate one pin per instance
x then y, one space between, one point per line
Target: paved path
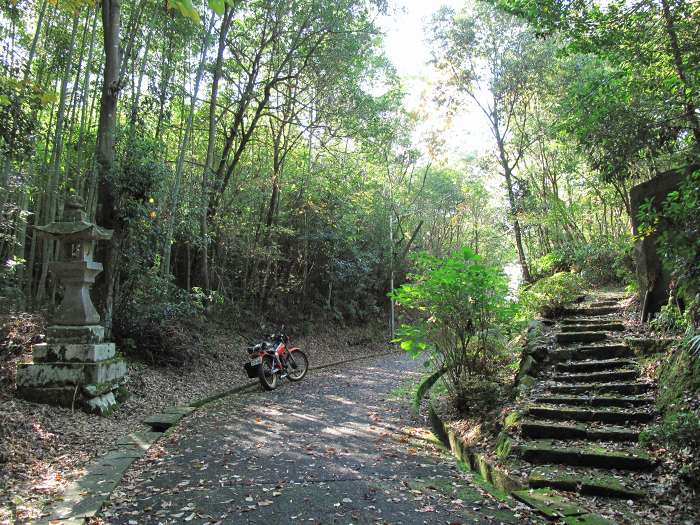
335 448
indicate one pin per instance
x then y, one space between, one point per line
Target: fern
694 345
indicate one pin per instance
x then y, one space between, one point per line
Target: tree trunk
211 143
180 165
508 175
107 197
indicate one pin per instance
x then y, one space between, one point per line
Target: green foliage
459 308
679 385
151 320
669 320
504 445
605 261
547 297
680 429
549 264
19 103
678 227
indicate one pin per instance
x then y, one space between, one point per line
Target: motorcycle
273 360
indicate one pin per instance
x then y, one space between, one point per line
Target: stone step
581 337
537 429
594 366
598 304
594 401
623 388
555 506
592 352
584 455
588 320
590 414
592 311
597 327
597 377
585 483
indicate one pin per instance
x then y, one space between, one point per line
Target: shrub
677 399
459 306
152 317
549 264
605 261
548 296
669 320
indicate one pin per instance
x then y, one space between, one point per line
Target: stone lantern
75 367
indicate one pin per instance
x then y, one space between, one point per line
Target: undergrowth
678 400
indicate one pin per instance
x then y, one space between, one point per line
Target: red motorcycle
273 360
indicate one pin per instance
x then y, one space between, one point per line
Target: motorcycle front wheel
268 378
297 366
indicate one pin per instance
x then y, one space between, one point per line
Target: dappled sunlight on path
332 449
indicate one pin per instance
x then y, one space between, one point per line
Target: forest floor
43 448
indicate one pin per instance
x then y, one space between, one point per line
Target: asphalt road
339 447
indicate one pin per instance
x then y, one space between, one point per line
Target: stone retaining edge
424 387
78 518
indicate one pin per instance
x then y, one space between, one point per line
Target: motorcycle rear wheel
268 379
298 358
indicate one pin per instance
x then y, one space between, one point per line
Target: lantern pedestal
75 367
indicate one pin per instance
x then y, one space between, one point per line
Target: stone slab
73 352
102 405
590 414
625 388
180 409
584 456
63 396
32 375
591 352
597 377
549 503
595 366
566 431
593 327
595 401
163 421
584 483
581 337
91 334
587 519
592 311
142 439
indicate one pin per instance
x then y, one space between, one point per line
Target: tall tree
495 61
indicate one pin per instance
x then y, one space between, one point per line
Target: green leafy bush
547 297
549 264
152 318
605 261
601 261
458 306
669 320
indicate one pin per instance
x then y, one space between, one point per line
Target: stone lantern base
75 368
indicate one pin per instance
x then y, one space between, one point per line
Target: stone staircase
580 425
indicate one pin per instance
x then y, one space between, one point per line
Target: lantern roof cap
74 225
